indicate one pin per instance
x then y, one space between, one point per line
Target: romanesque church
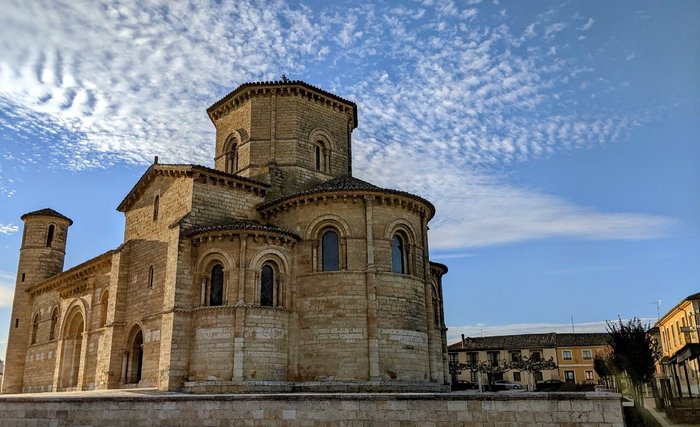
275 271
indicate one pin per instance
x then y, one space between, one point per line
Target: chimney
463 344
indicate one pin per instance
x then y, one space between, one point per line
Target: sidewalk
661 416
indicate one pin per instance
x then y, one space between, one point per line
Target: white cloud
587 26
430 83
7 289
630 56
8 228
553 29
482 329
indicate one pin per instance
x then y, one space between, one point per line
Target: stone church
275 271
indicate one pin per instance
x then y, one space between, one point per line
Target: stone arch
72 337
280 264
328 220
400 225
77 304
322 134
205 264
207 257
316 230
132 364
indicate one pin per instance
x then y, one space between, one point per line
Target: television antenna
658 308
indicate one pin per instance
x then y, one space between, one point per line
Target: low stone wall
143 408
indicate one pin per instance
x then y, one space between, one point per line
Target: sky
558 140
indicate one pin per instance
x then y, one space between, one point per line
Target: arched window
319 155
216 287
267 285
436 307
104 304
398 255
330 259
53 332
35 328
232 156
49 235
150 277
156 207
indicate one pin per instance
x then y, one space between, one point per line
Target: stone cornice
283 88
195 172
438 268
71 281
378 196
271 237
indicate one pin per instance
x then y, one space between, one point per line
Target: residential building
573 353
680 346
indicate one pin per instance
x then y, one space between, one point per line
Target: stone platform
152 408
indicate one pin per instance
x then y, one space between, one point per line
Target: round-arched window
267 285
216 289
330 251
398 259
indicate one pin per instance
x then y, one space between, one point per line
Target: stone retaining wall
124 408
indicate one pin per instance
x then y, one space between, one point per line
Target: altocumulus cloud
448 99
8 228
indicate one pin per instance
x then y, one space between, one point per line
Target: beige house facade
680 347
275 271
573 353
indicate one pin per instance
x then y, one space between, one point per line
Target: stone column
370 274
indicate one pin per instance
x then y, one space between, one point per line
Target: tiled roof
549 340
243 224
47 212
344 183
694 296
187 168
588 339
505 342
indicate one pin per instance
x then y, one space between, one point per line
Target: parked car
549 385
507 385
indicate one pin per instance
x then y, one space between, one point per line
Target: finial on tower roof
284 78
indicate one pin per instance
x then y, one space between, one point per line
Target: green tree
634 352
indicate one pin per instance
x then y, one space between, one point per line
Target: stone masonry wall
361 410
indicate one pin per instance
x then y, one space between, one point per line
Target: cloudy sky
558 140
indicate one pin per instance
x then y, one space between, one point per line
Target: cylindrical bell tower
40 257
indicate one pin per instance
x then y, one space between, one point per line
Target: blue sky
558 140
